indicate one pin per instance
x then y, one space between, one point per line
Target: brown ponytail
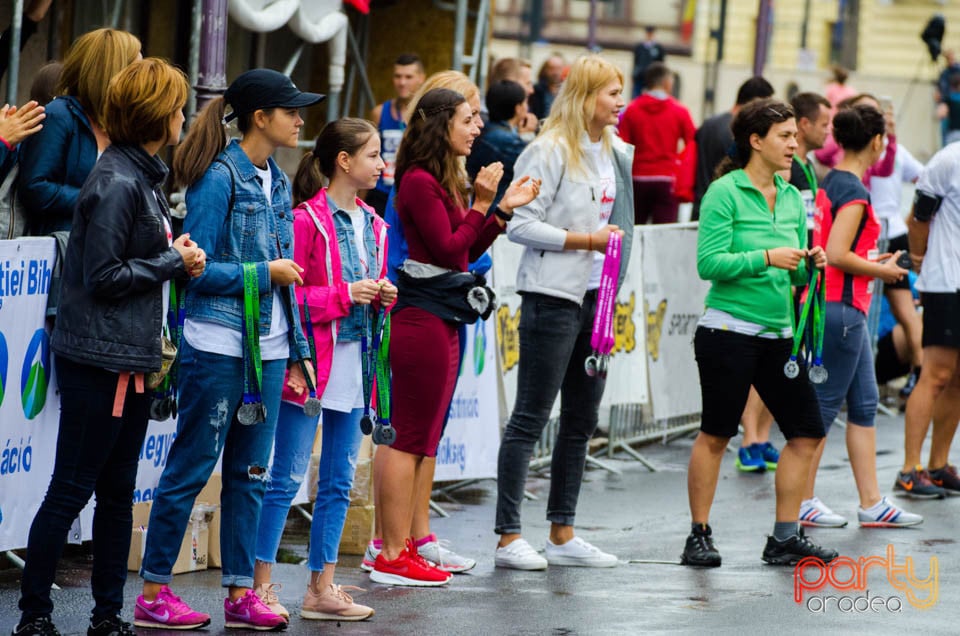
205 140
308 179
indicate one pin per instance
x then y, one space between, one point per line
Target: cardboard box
210 496
361 493
358 530
193 548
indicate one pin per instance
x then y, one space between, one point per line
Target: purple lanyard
602 337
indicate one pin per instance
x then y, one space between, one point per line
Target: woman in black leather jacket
120 260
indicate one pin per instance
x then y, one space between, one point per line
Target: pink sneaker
167 612
249 612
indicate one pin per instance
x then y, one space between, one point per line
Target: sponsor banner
471 441
673 297
627 377
29 410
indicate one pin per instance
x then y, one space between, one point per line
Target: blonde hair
452 80
90 64
574 107
141 99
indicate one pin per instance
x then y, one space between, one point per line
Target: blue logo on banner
3 367
35 374
479 346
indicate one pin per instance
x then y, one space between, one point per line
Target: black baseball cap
265 88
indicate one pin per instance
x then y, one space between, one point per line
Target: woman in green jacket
752 246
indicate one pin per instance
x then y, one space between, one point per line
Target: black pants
96 453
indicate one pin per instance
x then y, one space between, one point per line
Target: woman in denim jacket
342 245
55 162
231 216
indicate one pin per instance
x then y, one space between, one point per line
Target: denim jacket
352 268
252 231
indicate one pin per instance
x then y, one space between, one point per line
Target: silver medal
817 374
384 435
251 413
312 407
791 369
591 365
603 366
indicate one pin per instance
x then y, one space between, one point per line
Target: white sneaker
814 513
369 557
887 515
445 559
519 555
578 552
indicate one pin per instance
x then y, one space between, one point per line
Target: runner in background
586 196
752 245
408 76
242 327
847 229
341 244
120 258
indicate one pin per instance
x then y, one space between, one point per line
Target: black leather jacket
117 259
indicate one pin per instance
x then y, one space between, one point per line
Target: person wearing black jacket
120 261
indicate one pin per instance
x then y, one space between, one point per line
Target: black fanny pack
460 297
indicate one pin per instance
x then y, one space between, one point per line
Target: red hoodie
655 126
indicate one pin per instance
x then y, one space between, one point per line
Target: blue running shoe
769 453
749 460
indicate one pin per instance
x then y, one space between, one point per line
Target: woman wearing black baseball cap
241 331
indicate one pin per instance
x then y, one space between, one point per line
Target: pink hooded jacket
315 248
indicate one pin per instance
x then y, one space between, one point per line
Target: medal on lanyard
367 370
163 401
792 368
312 406
383 433
817 372
252 411
602 338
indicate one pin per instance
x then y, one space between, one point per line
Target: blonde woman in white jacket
585 196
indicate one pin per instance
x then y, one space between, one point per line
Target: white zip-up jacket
567 202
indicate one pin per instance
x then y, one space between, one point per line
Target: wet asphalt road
641 517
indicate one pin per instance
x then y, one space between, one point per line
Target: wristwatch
503 215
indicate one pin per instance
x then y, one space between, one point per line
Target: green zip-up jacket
736 226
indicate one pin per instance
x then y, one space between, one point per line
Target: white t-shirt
886 192
215 338
344 390
604 193
941 265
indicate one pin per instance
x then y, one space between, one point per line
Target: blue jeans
291 458
211 391
554 343
96 453
848 358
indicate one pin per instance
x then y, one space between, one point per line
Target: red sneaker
408 569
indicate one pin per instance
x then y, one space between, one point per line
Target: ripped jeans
291 458
211 390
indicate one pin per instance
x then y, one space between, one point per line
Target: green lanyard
816 299
252 411
383 369
808 172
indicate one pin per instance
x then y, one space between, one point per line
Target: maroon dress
424 349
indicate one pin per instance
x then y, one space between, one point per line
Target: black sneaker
114 626
700 549
795 548
42 626
917 484
947 479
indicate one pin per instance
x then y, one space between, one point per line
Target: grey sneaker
888 515
447 560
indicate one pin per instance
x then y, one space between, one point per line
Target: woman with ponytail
752 246
341 244
847 228
241 331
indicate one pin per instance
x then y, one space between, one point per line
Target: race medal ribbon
312 406
383 433
252 410
163 401
817 372
602 338
367 372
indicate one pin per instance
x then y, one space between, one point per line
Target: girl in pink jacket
342 246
